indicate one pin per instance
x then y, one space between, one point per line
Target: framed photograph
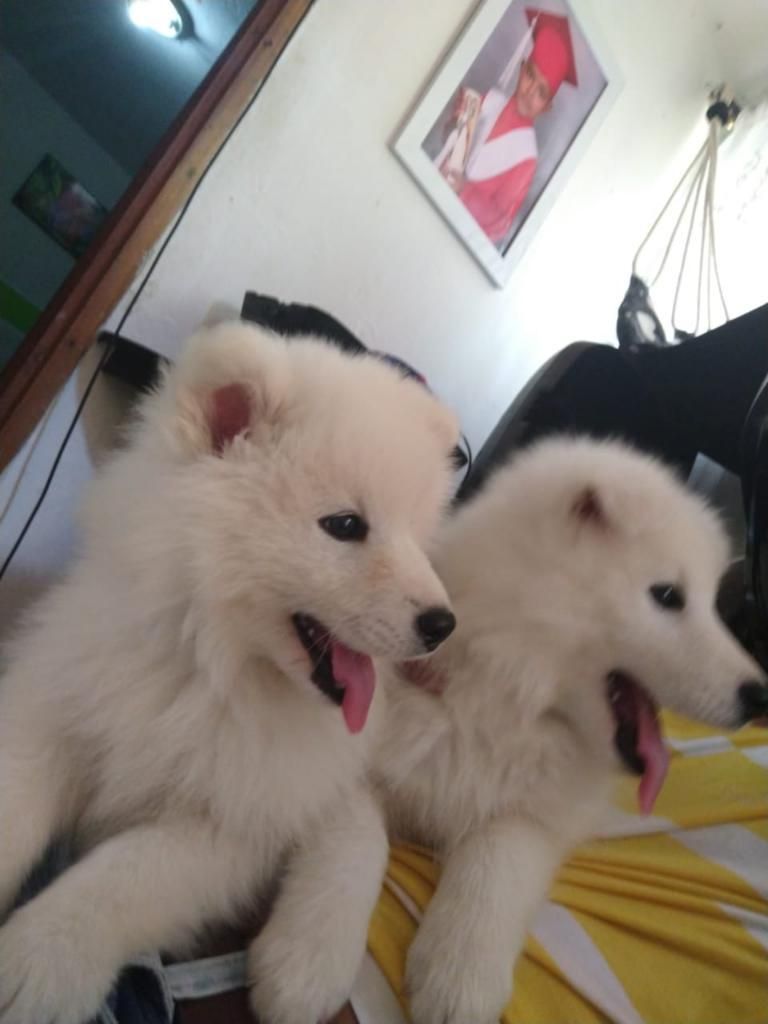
506 120
60 206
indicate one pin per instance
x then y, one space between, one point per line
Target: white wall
50 542
741 32
308 203
32 125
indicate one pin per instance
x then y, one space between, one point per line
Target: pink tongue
353 672
650 746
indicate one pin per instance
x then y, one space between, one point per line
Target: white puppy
191 698
584 580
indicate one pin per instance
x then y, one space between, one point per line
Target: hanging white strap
707 250
714 131
681 273
696 212
700 170
695 163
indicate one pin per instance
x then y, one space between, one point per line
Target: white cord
681 273
667 205
711 215
696 209
683 209
703 250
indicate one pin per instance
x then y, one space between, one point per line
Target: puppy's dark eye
668 596
345 526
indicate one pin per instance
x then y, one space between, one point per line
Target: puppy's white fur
511 762
159 700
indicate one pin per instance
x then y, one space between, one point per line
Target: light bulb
161 16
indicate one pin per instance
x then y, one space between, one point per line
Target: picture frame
59 204
505 121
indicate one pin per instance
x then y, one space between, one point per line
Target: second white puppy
584 579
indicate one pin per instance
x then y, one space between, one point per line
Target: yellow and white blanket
663 920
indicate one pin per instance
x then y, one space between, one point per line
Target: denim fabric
141 995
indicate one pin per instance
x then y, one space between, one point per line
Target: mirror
89 91
43 343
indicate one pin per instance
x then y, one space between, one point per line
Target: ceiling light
162 16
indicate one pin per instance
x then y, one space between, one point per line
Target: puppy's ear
229 413
588 508
231 381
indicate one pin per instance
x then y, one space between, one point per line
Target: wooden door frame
72 319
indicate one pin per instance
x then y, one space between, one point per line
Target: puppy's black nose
753 699
434 625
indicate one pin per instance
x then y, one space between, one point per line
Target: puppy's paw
50 973
298 981
448 983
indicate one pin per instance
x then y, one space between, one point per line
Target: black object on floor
706 385
291 318
672 400
140 367
754 461
132 363
585 389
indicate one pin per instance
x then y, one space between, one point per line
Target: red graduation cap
552 47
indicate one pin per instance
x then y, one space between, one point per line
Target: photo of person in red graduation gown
491 156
